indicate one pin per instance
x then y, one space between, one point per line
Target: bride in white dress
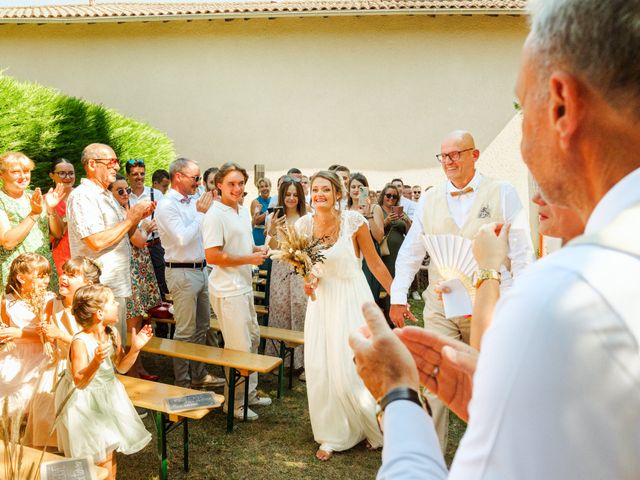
342 410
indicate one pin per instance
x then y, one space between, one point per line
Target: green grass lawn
278 445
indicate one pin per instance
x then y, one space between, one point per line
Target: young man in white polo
229 249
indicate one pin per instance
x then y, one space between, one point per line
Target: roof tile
208 10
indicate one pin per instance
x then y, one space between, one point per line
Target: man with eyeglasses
459 206
179 218
99 228
136 172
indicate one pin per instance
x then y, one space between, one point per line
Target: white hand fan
453 257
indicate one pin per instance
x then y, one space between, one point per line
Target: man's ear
564 106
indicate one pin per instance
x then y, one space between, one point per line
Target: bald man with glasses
100 229
459 206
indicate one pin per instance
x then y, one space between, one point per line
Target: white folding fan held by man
453 257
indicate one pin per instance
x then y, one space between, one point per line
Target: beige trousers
458 328
240 330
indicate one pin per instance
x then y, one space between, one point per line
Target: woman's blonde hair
263 180
7 158
26 263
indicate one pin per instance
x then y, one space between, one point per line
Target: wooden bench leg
291 351
283 354
231 400
246 397
162 445
185 443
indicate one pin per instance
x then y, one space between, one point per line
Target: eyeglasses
391 196
109 162
65 174
121 191
196 178
453 156
135 162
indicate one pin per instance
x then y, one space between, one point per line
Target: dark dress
396 232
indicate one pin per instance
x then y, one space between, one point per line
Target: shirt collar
92 185
474 183
175 195
620 197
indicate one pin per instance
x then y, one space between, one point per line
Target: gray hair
178 165
598 40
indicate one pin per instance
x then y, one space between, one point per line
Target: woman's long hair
282 193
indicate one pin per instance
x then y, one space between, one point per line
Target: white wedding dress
341 408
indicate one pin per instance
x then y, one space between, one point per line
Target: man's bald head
97 151
460 137
458 156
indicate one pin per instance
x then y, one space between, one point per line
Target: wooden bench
240 364
152 395
31 459
287 341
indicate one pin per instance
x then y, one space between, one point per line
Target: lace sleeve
304 224
352 222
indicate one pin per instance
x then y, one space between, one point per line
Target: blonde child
59 328
22 358
96 416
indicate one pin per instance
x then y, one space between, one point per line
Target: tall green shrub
45 124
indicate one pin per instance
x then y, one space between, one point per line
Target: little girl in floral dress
22 353
96 416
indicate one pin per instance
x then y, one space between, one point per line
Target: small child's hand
101 352
140 339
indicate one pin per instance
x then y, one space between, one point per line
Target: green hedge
45 124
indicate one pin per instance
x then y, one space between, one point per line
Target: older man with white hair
556 391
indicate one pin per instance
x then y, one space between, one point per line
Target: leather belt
195 266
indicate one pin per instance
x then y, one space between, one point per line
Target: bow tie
186 200
457 193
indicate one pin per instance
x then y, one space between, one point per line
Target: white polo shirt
224 227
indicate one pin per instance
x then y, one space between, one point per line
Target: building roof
136 12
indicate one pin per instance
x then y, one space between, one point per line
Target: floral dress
36 241
145 293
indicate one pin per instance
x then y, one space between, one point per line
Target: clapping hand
446 366
101 352
141 210
204 202
491 245
140 339
36 202
49 331
53 197
382 361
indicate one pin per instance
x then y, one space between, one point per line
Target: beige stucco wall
374 93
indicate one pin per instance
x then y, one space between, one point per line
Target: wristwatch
486 274
399 393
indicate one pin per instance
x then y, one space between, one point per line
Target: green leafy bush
45 124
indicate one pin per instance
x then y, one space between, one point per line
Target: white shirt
557 387
225 227
146 195
413 249
409 206
179 228
92 209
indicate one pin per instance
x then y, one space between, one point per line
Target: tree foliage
45 124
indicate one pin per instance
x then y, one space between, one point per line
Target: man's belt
194 265
153 241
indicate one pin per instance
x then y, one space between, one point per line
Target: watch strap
399 393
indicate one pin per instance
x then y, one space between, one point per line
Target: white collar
474 183
620 197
